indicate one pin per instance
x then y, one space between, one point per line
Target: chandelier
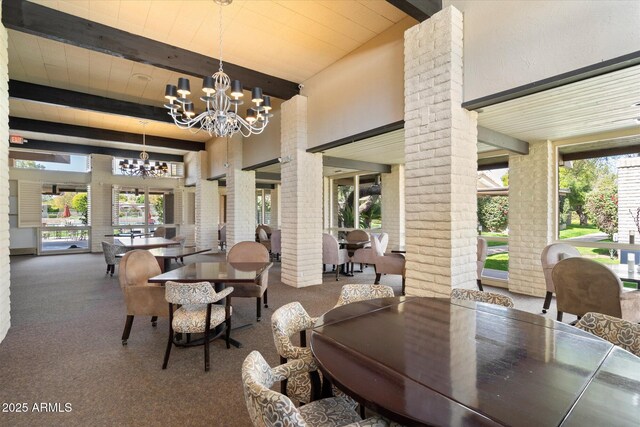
220 117
143 167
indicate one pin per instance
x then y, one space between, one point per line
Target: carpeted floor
64 347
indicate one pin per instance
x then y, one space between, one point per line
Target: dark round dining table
429 361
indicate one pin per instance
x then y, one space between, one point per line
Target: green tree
602 207
505 179
581 179
80 203
29 164
493 212
158 204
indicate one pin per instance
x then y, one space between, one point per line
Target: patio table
622 271
147 243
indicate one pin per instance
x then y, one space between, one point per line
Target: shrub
493 213
602 208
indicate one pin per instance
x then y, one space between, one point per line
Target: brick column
241 196
301 200
5 271
532 195
393 214
100 209
441 160
275 211
207 213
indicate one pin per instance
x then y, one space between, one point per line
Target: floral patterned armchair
480 296
355 293
617 331
197 313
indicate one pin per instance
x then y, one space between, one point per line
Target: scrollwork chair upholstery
332 254
355 293
269 408
617 331
141 297
551 255
481 296
110 251
197 313
583 285
251 252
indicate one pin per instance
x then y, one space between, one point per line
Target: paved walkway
593 237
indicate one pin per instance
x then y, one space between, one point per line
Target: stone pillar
207 213
100 196
532 180
393 206
301 200
275 209
241 197
5 271
441 160
628 198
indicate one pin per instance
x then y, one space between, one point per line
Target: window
65 219
142 208
263 206
50 161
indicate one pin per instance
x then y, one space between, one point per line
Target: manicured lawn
489 233
577 231
491 243
498 261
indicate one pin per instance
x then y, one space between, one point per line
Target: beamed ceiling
123 53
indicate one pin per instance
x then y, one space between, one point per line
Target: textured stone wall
241 197
301 194
5 271
393 213
440 159
532 181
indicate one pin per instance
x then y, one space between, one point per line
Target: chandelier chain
220 35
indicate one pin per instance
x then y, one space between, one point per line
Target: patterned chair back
355 293
618 332
480 296
286 321
189 293
267 407
110 251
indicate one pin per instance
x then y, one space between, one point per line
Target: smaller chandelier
221 117
143 167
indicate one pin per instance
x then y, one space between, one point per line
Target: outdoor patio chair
551 254
160 232
110 250
355 293
483 250
583 285
387 263
617 331
197 314
276 244
332 254
251 252
141 297
481 296
269 408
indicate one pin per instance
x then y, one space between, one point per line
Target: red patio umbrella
66 213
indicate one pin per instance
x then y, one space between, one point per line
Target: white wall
362 91
266 146
511 43
5 273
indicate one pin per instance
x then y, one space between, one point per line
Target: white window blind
115 205
29 204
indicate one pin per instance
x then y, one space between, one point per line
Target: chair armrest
223 293
371 422
293 367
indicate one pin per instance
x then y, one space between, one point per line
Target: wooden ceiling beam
41 21
17 124
420 10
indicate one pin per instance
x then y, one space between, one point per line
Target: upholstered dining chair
269 408
367 255
483 250
197 313
110 250
223 237
286 321
160 232
583 285
251 252
332 254
355 293
354 236
617 331
387 263
276 244
481 296
551 255
264 239
266 229
182 240
141 297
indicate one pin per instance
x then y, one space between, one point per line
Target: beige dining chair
276 244
269 408
264 239
388 264
583 285
550 256
141 297
367 255
160 232
251 252
332 254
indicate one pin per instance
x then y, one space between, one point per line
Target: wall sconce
285 159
